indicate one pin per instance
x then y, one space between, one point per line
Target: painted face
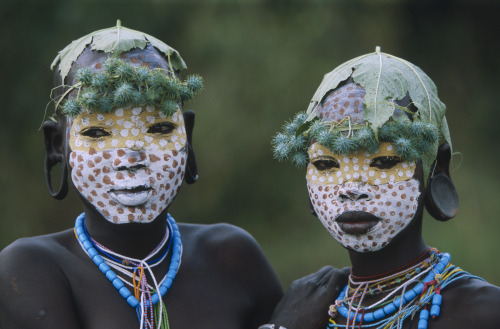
364 200
129 163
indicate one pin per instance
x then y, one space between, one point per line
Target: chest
197 299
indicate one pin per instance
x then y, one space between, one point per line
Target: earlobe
54 147
191 174
441 199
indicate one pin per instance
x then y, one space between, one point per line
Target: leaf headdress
386 79
120 83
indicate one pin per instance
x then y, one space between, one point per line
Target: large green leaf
114 40
385 78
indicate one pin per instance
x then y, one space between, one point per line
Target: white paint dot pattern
389 194
128 177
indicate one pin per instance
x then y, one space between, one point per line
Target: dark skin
48 281
467 302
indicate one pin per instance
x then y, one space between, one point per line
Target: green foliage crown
120 83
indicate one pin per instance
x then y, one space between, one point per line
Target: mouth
132 197
357 222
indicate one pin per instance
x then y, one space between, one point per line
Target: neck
403 250
133 240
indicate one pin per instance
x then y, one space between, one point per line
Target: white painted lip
131 197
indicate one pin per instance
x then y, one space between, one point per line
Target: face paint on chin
363 204
128 164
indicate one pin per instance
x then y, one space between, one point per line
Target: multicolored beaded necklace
426 278
147 299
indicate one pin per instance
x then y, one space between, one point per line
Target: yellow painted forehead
357 167
127 128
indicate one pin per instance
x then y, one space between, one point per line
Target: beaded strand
438 276
146 300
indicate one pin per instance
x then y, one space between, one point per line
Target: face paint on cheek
131 184
393 204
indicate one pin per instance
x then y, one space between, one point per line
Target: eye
386 162
95 133
325 164
162 128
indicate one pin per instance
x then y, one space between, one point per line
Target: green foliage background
262 61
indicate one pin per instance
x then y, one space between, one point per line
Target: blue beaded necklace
427 291
89 246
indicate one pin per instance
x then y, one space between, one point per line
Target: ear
441 198
53 133
191 174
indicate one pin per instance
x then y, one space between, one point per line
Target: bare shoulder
232 260
30 273
221 238
472 301
29 252
29 258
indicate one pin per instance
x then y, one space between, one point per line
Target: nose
127 159
354 193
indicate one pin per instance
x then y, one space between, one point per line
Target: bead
175 264
424 314
97 260
397 301
132 301
343 311
437 299
167 283
155 298
368 317
409 295
435 310
163 290
111 275
93 252
176 258
439 268
422 324
124 292
389 309
87 245
117 283
378 314
104 267
419 288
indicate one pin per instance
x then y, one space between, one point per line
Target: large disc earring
63 188
441 198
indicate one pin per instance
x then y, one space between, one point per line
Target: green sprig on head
120 84
411 139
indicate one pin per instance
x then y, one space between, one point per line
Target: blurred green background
262 61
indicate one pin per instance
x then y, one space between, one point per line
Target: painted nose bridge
129 159
355 192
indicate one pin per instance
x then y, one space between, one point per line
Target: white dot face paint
126 173
382 188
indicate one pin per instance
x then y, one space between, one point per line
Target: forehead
148 57
317 150
343 102
138 117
